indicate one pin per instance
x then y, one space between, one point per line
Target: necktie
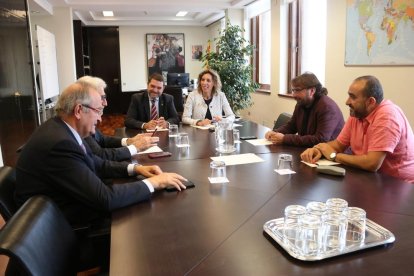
154 113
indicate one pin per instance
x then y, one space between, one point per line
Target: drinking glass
336 204
182 140
310 234
334 227
356 224
291 221
316 208
236 135
173 130
218 170
284 162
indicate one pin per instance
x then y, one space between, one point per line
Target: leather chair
7 188
282 119
39 241
177 93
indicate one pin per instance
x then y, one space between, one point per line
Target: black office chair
177 93
7 188
282 119
39 241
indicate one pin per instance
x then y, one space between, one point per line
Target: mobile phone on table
248 137
189 184
159 154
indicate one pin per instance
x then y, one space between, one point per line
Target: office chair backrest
39 240
177 93
7 188
282 119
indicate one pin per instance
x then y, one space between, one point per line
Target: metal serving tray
375 235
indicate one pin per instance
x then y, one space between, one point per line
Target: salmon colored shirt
385 129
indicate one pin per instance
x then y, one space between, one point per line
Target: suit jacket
139 110
107 147
53 164
325 122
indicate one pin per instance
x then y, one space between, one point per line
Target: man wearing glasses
56 163
317 118
109 147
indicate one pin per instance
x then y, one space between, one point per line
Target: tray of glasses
375 235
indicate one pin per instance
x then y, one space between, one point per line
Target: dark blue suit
139 110
107 147
53 164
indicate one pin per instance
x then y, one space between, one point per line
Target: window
260 36
306 33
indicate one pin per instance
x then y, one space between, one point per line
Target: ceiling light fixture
181 13
108 13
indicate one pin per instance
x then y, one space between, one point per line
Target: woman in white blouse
207 103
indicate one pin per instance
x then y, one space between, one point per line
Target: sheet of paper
203 127
285 171
217 180
259 142
158 129
321 162
151 150
237 125
238 159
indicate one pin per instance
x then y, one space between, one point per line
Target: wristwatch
332 156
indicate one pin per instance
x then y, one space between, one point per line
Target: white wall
396 80
133 52
61 25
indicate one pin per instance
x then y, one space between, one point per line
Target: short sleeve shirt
385 129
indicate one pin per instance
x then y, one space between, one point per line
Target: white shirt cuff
132 149
130 169
124 142
149 185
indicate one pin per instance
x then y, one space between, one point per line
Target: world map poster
380 32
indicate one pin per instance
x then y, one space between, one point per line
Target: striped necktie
154 113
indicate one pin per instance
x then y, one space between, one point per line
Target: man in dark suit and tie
56 163
152 108
110 147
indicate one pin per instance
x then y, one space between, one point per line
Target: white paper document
238 159
259 142
203 127
237 125
285 171
151 150
217 180
321 162
158 129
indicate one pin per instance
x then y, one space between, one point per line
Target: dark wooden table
217 229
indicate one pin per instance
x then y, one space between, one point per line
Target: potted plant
231 62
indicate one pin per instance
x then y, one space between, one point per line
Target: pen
155 130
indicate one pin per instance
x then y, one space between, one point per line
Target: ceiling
142 12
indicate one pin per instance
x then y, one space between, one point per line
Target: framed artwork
196 52
165 53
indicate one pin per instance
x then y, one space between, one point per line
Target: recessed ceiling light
108 13
181 13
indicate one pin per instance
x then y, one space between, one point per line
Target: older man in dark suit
152 108
56 163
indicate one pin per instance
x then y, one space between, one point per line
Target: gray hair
95 82
74 94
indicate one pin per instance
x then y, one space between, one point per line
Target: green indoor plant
231 62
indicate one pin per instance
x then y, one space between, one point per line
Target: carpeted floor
110 122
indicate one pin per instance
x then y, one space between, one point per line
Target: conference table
217 229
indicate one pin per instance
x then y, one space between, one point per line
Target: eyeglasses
103 97
297 90
97 110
